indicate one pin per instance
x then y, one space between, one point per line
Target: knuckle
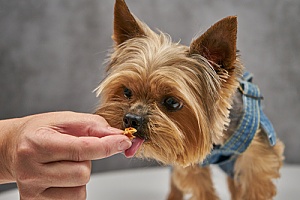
31 144
106 150
79 150
94 121
24 151
83 172
24 157
97 119
75 155
24 178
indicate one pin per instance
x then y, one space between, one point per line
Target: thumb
82 124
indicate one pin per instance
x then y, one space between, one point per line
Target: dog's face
177 97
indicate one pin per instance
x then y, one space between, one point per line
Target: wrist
8 131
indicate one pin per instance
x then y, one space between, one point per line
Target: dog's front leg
192 180
255 170
175 192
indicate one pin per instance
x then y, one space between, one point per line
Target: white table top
153 184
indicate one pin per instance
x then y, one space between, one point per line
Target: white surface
153 184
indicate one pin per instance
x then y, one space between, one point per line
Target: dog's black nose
132 120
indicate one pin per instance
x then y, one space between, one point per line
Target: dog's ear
125 25
218 43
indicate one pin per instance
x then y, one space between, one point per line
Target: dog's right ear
125 25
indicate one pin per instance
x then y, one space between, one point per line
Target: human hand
51 153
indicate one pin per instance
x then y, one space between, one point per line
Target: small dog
192 106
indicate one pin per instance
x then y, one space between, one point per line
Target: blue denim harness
253 118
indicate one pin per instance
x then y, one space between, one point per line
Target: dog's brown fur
204 79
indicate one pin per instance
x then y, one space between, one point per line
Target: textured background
51 54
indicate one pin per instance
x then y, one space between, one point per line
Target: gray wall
51 53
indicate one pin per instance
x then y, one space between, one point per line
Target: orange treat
129 132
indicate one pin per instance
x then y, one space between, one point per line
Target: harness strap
240 140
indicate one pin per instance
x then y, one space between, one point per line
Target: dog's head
177 97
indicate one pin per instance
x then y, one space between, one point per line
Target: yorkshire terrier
191 106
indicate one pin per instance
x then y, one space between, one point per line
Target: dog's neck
236 113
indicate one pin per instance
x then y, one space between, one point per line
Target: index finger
54 146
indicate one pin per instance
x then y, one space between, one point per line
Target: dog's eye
172 104
127 93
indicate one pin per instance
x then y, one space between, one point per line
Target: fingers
53 153
53 146
54 139
57 180
89 148
66 173
65 193
78 124
53 193
86 125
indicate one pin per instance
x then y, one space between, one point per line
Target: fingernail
125 144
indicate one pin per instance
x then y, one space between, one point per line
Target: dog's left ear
218 43
125 25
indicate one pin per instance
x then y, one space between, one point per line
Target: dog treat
129 132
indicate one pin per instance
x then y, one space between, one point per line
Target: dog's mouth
136 144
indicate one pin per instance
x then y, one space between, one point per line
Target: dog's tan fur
203 77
